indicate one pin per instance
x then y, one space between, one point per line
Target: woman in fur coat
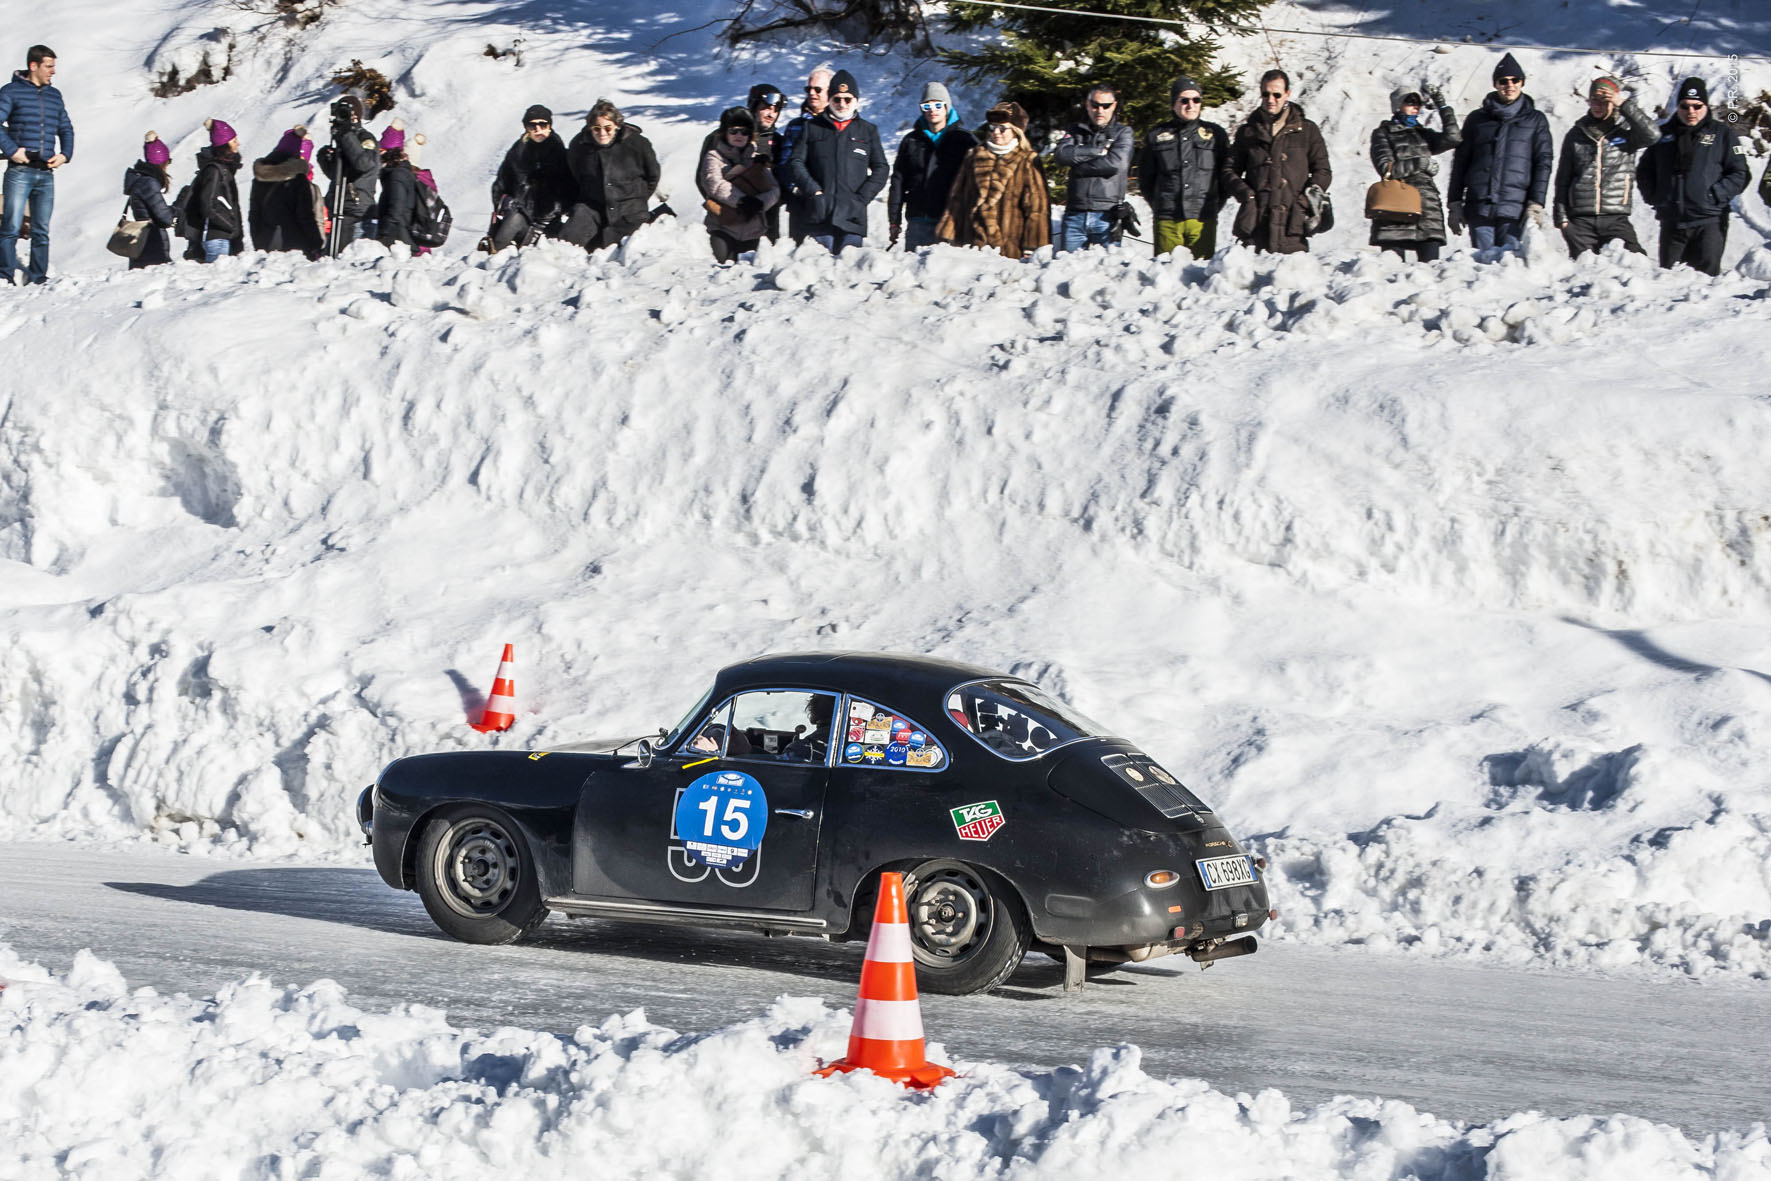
999 198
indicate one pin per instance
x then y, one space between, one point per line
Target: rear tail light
1161 879
1260 863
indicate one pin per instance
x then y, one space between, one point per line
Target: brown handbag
1392 201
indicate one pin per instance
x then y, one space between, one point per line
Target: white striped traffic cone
502 704
887 1035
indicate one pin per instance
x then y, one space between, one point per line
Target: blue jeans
1079 230
214 248
1496 231
35 186
836 241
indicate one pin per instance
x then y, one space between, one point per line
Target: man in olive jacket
1184 172
1690 177
839 166
1281 171
1596 176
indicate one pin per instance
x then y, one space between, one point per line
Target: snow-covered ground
1447 585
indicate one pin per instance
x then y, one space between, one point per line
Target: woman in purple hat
145 185
214 221
286 211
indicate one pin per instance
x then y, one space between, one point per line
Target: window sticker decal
877 737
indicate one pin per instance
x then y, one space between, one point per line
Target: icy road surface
1465 1043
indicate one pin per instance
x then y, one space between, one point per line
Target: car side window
782 726
879 737
712 737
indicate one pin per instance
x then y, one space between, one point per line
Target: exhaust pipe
1223 950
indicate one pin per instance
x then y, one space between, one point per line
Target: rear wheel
477 879
967 928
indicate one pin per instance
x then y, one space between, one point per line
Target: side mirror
642 759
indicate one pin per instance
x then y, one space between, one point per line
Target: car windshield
1016 720
675 733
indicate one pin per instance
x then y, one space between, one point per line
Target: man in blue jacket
1691 177
33 122
1500 173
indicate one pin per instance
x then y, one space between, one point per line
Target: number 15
737 822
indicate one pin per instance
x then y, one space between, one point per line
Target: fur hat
1509 67
394 137
219 133
155 151
537 112
737 117
843 82
1693 88
935 92
1007 112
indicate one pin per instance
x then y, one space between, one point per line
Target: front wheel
967 928
477 879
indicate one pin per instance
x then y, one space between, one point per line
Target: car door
730 820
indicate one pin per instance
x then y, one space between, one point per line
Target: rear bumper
1186 914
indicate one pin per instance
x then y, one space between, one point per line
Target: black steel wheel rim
951 914
479 868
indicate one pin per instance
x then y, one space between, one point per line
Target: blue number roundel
721 819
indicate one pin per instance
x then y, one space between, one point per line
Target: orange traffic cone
887 1035
502 702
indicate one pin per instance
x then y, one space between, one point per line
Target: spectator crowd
985 186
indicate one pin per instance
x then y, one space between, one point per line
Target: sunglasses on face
1272 94
1095 106
934 106
1189 100
1508 81
842 98
1692 106
538 123
814 90
743 131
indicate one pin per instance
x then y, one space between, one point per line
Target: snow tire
968 930
477 877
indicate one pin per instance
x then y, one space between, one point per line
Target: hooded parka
1503 164
285 213
399 200
1275 159
1405 153
145 185
999 201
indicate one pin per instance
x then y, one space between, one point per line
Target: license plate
1222 872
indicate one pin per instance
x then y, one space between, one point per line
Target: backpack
181 226
431 219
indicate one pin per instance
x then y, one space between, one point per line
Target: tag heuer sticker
978 822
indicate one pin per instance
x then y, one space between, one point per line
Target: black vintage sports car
781 795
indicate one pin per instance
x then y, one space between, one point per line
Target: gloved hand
896 231
750 206
1535 213
1433 93
1124 218
1454 216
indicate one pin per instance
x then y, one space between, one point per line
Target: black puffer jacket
616 182
1503 163
145 186
1184 170
1099 160
537 178
399 201
362 170
839 171
282 212
1406 154
923 173
213 210
1693 173
1596 174
1275 161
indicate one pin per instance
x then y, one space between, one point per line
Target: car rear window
880 737
1015 720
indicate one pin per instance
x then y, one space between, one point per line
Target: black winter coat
1184 170
1099 160
615 182
362 170
923 174
1406 154
1596 175
537 178
399 202
1503 163
839 171
213 210
145 186
1716 174
1274 162
282 212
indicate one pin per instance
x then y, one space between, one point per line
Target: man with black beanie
1690 177
839 166
534 185
1500 173
1184 172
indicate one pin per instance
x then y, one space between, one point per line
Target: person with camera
1403 149
1097 150
533 186
1596 176
352 162
36 137
1184 172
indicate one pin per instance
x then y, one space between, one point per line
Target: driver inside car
812 745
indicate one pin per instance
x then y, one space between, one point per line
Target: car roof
876 675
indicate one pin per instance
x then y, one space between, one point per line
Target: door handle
802 813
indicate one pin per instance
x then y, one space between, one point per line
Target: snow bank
268 1081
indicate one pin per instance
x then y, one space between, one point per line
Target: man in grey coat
1097 151
1596 175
